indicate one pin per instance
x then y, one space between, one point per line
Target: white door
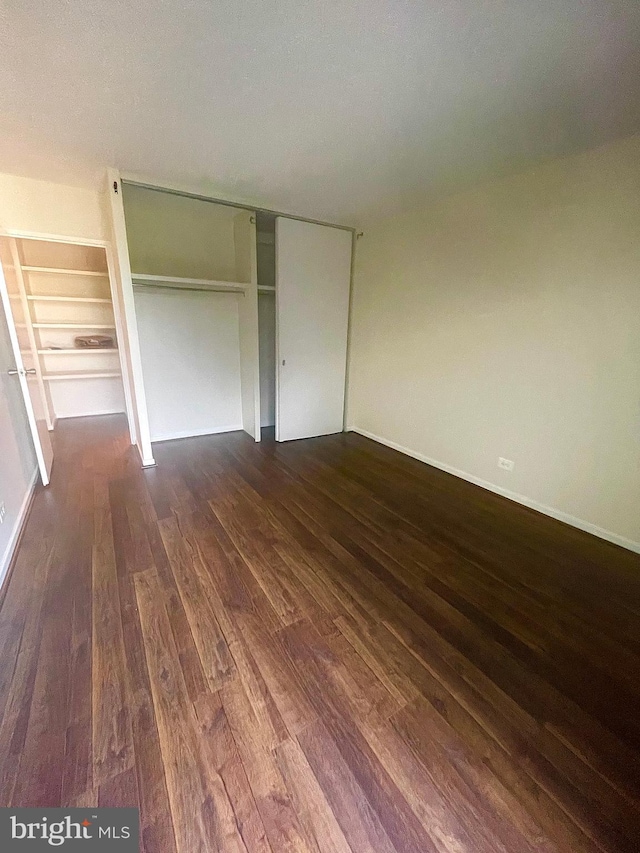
313 271
25 369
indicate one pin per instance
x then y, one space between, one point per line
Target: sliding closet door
313 269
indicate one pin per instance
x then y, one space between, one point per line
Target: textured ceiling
329 108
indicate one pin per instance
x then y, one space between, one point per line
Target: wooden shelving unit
79 374
67 291
73 326
85 351
88 299
60 271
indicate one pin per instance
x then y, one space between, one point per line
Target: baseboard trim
188 433
559 515
96 414
7 560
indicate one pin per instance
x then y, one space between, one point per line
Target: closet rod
160 287
253 209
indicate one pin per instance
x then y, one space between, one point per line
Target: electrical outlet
505 464
2 512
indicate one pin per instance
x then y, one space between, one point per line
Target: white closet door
25 368
313 269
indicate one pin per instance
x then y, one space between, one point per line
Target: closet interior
193 268
219 349
67 320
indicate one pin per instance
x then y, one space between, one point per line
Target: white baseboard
5 560
92 414
189 433
587 526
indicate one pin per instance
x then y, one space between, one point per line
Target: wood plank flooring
322 646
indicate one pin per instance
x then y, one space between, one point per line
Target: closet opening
266 258
58 301
193 270
238 316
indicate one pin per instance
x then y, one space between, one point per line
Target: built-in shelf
57 271
178 283
81 374
36 298
83 351
73 325
265 288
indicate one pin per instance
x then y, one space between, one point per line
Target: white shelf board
58 271
78 351
78 374
188 283
73 325
265 288
35 298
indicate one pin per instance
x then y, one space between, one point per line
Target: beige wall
47 208
505 321
171 235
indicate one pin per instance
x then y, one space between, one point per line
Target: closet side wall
245 247
266 261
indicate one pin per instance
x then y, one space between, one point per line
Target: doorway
59 308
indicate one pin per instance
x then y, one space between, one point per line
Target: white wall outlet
2 512
505 464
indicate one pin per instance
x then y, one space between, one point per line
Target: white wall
190 348
78 398
17 457
505 321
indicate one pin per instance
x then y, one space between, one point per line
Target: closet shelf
73 325
37 298
169 281
265 288
85 374
84 351
58 271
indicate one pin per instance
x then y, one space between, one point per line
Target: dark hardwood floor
321 646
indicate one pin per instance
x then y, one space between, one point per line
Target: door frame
115 298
